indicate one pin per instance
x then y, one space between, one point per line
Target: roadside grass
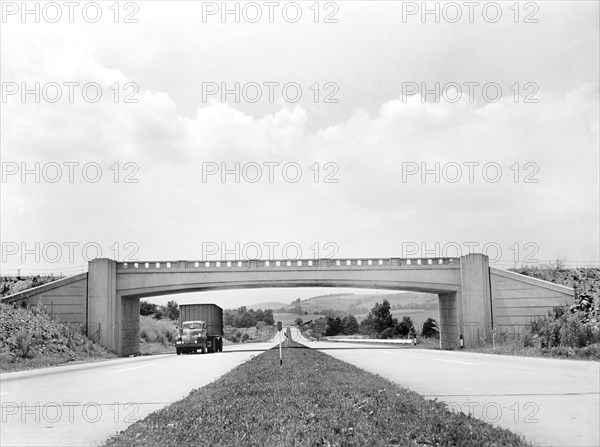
314 400
510 346
157 336
30 339
590 352
248 334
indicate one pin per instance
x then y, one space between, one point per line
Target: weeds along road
549 401
84 404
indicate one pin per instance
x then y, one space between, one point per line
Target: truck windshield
194 325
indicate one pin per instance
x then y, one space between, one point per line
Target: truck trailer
200 329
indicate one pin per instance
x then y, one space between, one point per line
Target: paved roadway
549 401
82 405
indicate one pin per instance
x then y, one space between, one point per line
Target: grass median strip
314 400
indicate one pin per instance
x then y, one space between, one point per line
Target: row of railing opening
258 263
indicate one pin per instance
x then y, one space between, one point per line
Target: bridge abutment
103 308
113 320
474 300
449 326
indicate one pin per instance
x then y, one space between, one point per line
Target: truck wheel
212 346
178 351
203 350
220 345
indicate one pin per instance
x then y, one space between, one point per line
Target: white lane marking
135 367
456 361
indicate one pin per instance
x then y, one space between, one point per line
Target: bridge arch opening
314 303
444 309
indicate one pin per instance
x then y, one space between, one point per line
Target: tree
297 309
268 317
245 320
298 322
350 325
430 328
412 333
259 315
318 327
228 318
334 326
172 310
378 320
405 326
147 308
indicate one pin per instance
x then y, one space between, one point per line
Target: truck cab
192 337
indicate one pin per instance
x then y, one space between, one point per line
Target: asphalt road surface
80 405
549 401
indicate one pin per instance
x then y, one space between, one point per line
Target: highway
549 401
82 405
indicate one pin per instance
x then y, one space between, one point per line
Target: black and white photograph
299 223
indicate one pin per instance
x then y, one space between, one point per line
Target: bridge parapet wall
295 263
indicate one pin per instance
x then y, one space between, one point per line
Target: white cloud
371 211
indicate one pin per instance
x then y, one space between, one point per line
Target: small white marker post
279 328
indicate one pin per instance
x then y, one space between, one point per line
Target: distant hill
418 306
358 304
267 305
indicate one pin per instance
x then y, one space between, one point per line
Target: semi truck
200 329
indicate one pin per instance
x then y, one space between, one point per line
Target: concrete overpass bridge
473 297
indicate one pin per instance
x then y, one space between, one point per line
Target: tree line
244 317
379 323
158 312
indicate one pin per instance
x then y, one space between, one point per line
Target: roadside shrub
170 337
430 328
562 327
23 341
157 331
144 335
591 352
245 338
387 333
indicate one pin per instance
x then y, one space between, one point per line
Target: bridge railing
292 263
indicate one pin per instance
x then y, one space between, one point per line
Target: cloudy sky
163 130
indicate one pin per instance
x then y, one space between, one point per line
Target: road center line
456 361
135 367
